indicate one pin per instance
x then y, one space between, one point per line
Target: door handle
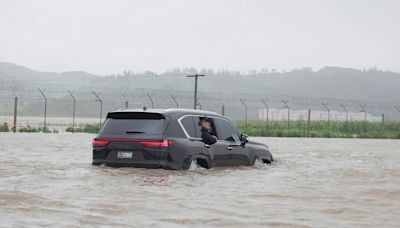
229 148
206 145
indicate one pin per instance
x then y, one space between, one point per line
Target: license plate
124 154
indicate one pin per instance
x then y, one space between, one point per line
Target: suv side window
189 125
227 131
197 123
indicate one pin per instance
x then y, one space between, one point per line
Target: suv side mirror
243 138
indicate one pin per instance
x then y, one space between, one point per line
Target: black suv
171 139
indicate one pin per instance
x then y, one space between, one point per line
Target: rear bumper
147 165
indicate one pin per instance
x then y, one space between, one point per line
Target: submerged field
48 180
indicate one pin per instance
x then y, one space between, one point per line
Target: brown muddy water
48 180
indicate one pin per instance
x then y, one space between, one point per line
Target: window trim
197 115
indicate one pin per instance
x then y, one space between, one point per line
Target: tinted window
197 126
226 130
189 125
131 123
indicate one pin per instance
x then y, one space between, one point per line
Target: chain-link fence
47 108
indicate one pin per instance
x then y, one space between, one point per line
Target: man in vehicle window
207 133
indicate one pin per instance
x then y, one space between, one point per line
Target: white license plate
124 154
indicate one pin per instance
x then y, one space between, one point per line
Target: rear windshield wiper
135 132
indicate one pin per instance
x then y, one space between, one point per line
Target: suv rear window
133 123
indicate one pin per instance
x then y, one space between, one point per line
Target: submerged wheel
258 162
198 163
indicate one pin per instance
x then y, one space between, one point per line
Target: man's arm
207 137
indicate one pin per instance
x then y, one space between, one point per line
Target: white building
282 114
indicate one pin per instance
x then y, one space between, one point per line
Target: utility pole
45 109
73 110
245 118
397 108
362 109
327 109
15 113
174 99
151 99
347 116
101 106
286 102
195 87
267 107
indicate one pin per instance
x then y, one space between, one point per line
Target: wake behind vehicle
171 139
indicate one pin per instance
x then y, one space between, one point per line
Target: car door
230 143
219 156
193 144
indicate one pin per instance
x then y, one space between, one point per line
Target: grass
317 129
87 128
321 129
4 128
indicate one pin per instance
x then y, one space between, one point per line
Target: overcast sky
106 37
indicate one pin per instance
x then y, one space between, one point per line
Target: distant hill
329 82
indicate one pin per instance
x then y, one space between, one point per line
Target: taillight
100 142
157 143
144 142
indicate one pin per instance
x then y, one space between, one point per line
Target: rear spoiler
135 115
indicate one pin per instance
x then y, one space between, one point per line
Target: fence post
73 110
151 99
286 102
397 108
308 122
327 109
45 109
222 107
267 107
15 114
174 99
245 118
383 125
362 109
101 106
347 117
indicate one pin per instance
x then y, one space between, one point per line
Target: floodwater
48 180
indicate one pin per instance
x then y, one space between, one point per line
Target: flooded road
48 180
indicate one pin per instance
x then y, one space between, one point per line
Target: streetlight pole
195 87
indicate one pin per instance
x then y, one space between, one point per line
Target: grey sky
107 37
